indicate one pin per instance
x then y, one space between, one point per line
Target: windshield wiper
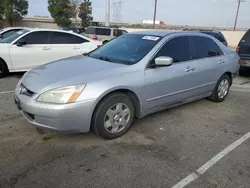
105 59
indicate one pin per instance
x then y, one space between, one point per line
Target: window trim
193 51
167 40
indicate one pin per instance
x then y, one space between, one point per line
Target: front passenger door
35 52
172 84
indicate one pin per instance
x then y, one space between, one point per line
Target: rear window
218 36
98 31
246 37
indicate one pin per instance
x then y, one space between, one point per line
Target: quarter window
177 48
65 38
38 37
204 47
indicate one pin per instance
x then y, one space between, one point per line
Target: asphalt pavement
160 150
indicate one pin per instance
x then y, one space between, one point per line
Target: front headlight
62 95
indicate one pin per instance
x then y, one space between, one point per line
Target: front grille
26 91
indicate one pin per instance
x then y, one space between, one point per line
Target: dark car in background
217 34
243 50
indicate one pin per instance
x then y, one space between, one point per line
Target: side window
103 31
117 32
38 37
204 47
177 48
66 38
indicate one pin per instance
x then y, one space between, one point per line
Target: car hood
70 71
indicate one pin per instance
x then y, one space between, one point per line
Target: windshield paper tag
151 38
20 32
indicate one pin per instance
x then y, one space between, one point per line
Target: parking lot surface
159 151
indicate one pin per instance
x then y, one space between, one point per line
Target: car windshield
127 49
14 36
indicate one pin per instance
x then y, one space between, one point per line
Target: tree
61 11
13 10
85 12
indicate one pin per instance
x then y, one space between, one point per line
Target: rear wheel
114 116
221 89
3 69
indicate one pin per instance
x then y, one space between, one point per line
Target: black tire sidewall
216 97
3 69
98 118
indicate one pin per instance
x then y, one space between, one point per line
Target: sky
175 12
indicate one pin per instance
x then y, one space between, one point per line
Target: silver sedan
130 77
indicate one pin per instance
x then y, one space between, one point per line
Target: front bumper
75 117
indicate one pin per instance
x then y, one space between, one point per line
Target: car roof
161 33
102 27
9 28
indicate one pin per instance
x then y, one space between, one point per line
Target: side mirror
21 42
1 36
163 61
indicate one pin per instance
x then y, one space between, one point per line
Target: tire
107 118
216 96
104 42
3 69
243 71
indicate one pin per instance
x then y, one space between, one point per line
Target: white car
30 48
8 31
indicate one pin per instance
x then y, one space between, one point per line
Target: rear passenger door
66 45
209 62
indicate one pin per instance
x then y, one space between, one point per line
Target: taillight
94 37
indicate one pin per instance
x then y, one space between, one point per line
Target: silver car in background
130 77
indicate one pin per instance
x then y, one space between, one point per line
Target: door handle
76 48
46 48
221 62
189 69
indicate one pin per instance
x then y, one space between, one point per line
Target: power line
117 10
155 10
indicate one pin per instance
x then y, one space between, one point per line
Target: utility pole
155 13
107 13
237 13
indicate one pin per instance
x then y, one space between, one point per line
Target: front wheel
221 89
3 69
114 116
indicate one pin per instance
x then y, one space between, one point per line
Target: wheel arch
230 76
3 61
126 91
